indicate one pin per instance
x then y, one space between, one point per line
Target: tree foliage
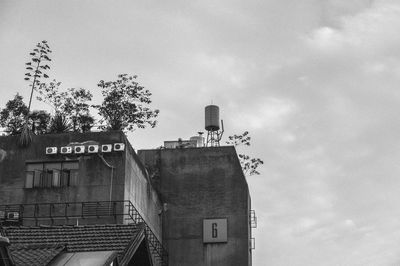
39 122
13 116
36 70
125 104
37 67
71 104
59 124
236 140
249 164
50 93
76 108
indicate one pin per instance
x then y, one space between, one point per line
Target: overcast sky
316 82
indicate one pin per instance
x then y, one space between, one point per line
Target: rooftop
41 245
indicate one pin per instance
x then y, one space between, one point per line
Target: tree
85 123
242 139
39 122
76 109
59 124
12 117
249 165
71 105
124 106
36 68
50 94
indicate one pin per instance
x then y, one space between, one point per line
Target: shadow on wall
3 155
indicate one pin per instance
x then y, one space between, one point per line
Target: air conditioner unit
106 148
79 149
93 148
51 150
119 146
13 215
66 150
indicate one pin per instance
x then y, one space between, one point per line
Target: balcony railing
18 214
253 219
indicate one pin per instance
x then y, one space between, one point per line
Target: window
51 174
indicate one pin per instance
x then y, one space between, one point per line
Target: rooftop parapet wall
192 161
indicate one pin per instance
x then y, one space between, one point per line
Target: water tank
212 118
199 140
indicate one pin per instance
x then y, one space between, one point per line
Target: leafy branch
249 165
125 104
36 70
71 106
37 67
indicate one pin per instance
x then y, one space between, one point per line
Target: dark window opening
50 174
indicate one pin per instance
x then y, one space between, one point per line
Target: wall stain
89 142
3 155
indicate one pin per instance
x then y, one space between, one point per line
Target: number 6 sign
215 230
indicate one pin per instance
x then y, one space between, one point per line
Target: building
180 206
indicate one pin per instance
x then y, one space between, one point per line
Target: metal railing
252 243
253 219
16 214
156 248
253 224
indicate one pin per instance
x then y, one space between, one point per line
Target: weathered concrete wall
129 181
94 175
198 184
139 191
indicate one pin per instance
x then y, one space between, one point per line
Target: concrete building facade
194 202
207 205
30 175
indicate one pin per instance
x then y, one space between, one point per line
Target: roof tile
38 245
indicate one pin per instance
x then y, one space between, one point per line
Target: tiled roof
34 255
42 242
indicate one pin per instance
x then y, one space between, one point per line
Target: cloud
223 67
316 85
369 32
268 114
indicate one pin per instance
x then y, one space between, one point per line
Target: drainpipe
111 179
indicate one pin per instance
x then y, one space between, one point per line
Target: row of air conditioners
81 149
10 215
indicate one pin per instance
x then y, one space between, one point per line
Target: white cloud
223 67
326 38
370 31
271 114
349 223
322 110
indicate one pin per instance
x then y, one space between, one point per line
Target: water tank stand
214 136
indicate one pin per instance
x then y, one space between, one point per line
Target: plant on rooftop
71 104
125 105
76 109
249 165
36 71
37 67
39 121
59 124
12 117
